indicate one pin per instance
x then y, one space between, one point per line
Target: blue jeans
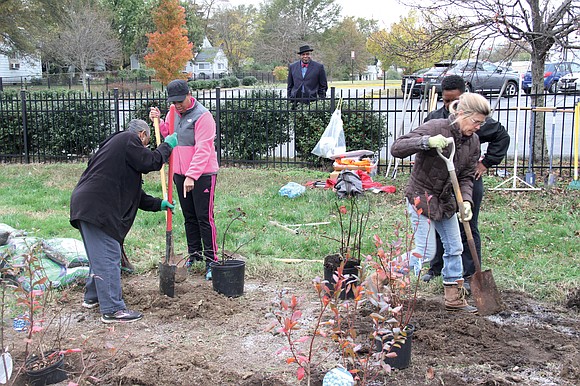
426 246
104 282
468 266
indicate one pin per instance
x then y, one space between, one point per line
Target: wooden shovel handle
459 198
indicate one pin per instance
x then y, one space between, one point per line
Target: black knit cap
177 90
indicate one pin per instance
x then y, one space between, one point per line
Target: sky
385 11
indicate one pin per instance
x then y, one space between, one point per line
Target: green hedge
66 125
251 127
59 126
230 81
249 81
203 84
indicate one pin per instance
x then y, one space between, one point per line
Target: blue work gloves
167 205
438 141
171 140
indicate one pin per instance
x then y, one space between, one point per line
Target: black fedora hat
304 49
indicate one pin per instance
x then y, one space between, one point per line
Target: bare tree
287 24
535 26
85 39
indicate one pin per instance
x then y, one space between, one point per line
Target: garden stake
551 181
575 184
483 288
406 100
166 269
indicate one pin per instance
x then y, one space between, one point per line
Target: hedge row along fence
254 126
257 126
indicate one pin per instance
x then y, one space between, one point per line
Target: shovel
166 269
483 288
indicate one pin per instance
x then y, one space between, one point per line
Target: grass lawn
531 240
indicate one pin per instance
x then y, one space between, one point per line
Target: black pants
436 264
197 209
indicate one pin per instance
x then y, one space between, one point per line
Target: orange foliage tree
169 48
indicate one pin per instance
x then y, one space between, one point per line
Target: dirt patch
201 337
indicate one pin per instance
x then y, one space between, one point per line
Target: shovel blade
485 293
167 279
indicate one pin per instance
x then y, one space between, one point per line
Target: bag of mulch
13 253
6 232
57 274
68 252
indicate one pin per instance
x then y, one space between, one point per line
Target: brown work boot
455 297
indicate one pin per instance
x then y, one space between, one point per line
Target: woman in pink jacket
195 169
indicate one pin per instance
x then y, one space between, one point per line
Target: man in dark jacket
498 139
104 205
306 78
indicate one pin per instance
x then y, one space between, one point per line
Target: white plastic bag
332 141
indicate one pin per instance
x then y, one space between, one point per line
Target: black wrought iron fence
262 127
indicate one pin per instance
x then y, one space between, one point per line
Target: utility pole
351 66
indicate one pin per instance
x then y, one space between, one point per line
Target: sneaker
90 304
208 274
121 316
196 256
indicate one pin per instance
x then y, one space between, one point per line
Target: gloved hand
438 141
467 213
171 140
166 205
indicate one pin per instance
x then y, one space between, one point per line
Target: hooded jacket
430 175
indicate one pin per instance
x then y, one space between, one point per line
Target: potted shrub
352 220
392 295
228 272
43 364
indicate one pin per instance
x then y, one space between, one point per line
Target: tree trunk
539 148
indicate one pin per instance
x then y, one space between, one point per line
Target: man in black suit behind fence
306 78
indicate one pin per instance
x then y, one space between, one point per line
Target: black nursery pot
228 278
403 358
48 375
351 268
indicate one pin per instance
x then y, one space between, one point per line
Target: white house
372 72
17 68
210 62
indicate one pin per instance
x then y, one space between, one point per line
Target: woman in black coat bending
103 207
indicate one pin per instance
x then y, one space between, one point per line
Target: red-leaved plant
33 294
386 288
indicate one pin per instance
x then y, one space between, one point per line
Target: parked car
483 77
407 82
424 79
569 82
552 74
